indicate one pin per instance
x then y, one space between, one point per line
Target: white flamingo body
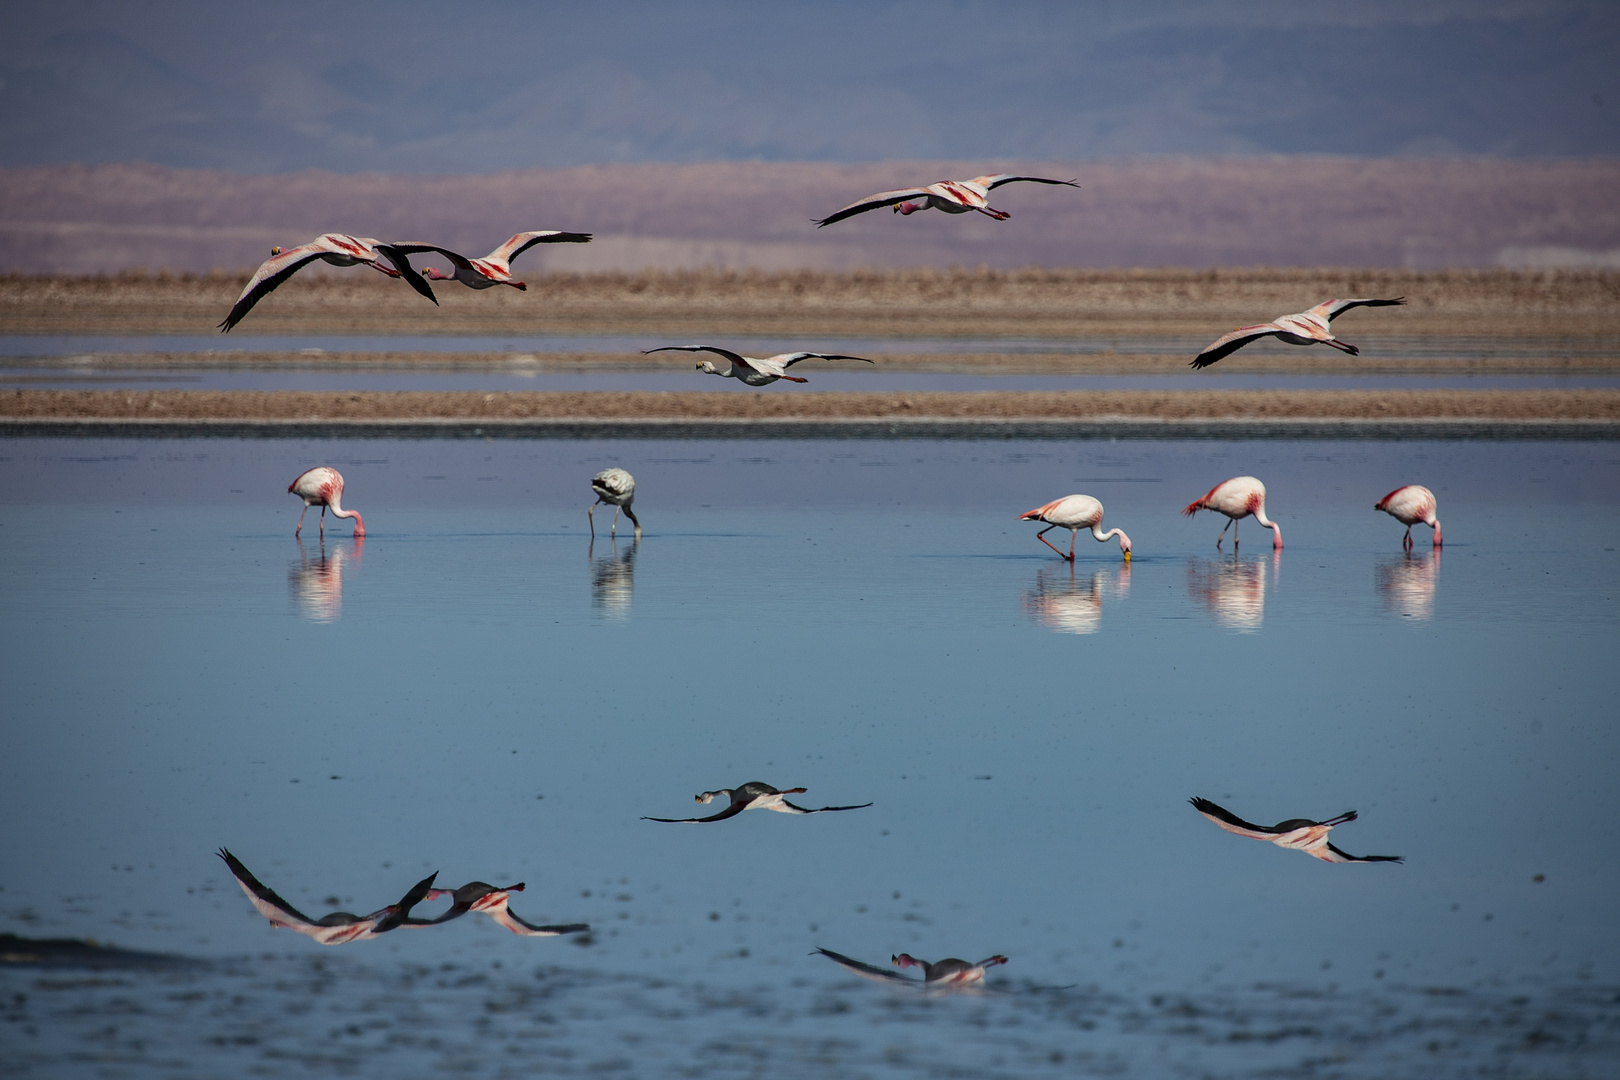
1238 498
338 249
1296 834
750 370
496 267
951 196
1075 512
939 975
617 488
753 795
322 486
337 928
1411 505
1304 328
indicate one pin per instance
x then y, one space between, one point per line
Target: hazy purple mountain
1181 212
428 86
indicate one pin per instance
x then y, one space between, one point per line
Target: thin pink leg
1041 536
300 522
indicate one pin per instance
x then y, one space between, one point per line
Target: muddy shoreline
1446 414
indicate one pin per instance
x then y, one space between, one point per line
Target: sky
474 86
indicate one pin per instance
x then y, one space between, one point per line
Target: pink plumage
1411 505
322 486
1237 498
1075 512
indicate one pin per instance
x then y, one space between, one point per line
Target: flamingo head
433 273
707 367
908 207
905 960
274 252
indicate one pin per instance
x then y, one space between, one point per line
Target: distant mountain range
1195 212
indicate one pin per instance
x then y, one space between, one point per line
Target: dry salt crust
301 1015
922 303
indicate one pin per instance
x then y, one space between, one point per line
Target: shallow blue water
681 376
479 690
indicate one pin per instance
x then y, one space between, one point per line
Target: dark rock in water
80 953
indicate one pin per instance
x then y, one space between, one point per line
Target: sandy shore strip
1076 413
921 303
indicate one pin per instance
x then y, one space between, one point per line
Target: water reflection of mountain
613 580
1406 583
1233 589
1070 603
316 582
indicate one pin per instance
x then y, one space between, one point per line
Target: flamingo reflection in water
1406 584
317 583
1069 605
1234 590
337 928
613 580
947 974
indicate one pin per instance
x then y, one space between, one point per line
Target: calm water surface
477 689
677 377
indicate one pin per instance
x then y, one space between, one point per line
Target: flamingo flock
1236 499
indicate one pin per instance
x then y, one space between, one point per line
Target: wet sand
1030 303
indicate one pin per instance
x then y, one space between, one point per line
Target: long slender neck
1124 541
1276 530
336 505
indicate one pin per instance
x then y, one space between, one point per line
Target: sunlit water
476 689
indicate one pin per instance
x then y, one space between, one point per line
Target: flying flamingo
951 196
1305 328
752 796
937 975
496 267
617 488
1296 834
1410 505
752 371
339 249
1075 512
1237 498
338 928
487 899
322 486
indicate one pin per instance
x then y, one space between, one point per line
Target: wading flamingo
752 796
338 928
1296 834
1075 512
938 975
322 486
1410 505
1237 498
754 371
951 196
496 267
487 899
617 488
1305 328
339 249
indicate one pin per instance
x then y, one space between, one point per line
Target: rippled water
476 689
